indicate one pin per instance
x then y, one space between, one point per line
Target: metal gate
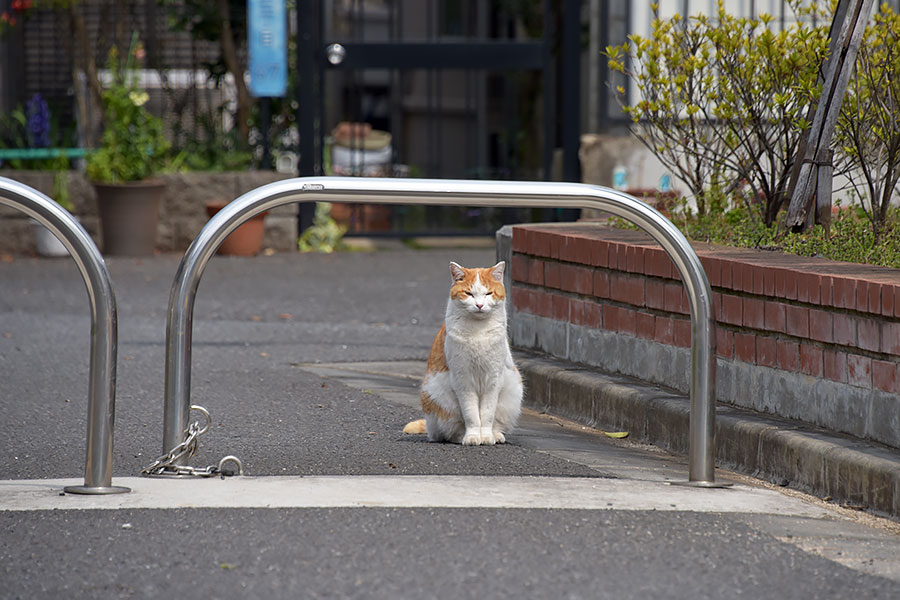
464 89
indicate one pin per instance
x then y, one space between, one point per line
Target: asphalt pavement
309 365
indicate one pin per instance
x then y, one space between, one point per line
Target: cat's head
477 291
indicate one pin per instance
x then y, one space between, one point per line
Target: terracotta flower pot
362 217
129 215
247 239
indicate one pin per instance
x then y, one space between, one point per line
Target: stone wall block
182 212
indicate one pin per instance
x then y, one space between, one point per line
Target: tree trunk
230 56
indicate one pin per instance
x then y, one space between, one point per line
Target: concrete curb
850 471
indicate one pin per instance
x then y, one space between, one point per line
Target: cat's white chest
476 354
476 342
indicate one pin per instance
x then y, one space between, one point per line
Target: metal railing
448 192
104 329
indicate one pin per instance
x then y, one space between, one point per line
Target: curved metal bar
449 192
104 329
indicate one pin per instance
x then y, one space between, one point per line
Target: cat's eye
468 293
490 293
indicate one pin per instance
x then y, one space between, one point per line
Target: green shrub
851 238
210 148
133 146
867 137
60 191
724 101
325 235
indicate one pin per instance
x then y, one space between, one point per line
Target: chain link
165 464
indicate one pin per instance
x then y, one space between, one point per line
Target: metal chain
165 464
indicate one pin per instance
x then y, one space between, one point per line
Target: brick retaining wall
803 338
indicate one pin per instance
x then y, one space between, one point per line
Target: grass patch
851 239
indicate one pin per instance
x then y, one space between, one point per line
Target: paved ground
308 365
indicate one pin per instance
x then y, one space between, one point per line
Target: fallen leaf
7 258
264 354
616 434
286 316
227 566
256 318
7 334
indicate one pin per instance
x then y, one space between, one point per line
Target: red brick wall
804 316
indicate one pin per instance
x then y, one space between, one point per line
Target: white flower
139 98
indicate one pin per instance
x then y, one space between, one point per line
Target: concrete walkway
406 491
310 367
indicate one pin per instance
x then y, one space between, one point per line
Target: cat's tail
415 427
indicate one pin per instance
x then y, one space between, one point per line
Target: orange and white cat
472 391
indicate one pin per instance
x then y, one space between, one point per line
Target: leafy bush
60 191
133 146
672 76
325 234
723 103
213 149
867 136
851 238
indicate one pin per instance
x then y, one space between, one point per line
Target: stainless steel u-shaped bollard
461 193
104 329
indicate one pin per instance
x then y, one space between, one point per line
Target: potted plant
358 150
133 149
246 240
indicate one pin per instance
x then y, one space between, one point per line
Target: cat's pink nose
479 306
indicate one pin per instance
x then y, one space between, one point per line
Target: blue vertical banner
267 47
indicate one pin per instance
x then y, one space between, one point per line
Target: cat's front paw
487 437
471 439
499 438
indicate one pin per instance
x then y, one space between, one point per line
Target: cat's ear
457 272
497 270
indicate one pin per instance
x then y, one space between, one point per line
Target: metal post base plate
702 484
96 491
